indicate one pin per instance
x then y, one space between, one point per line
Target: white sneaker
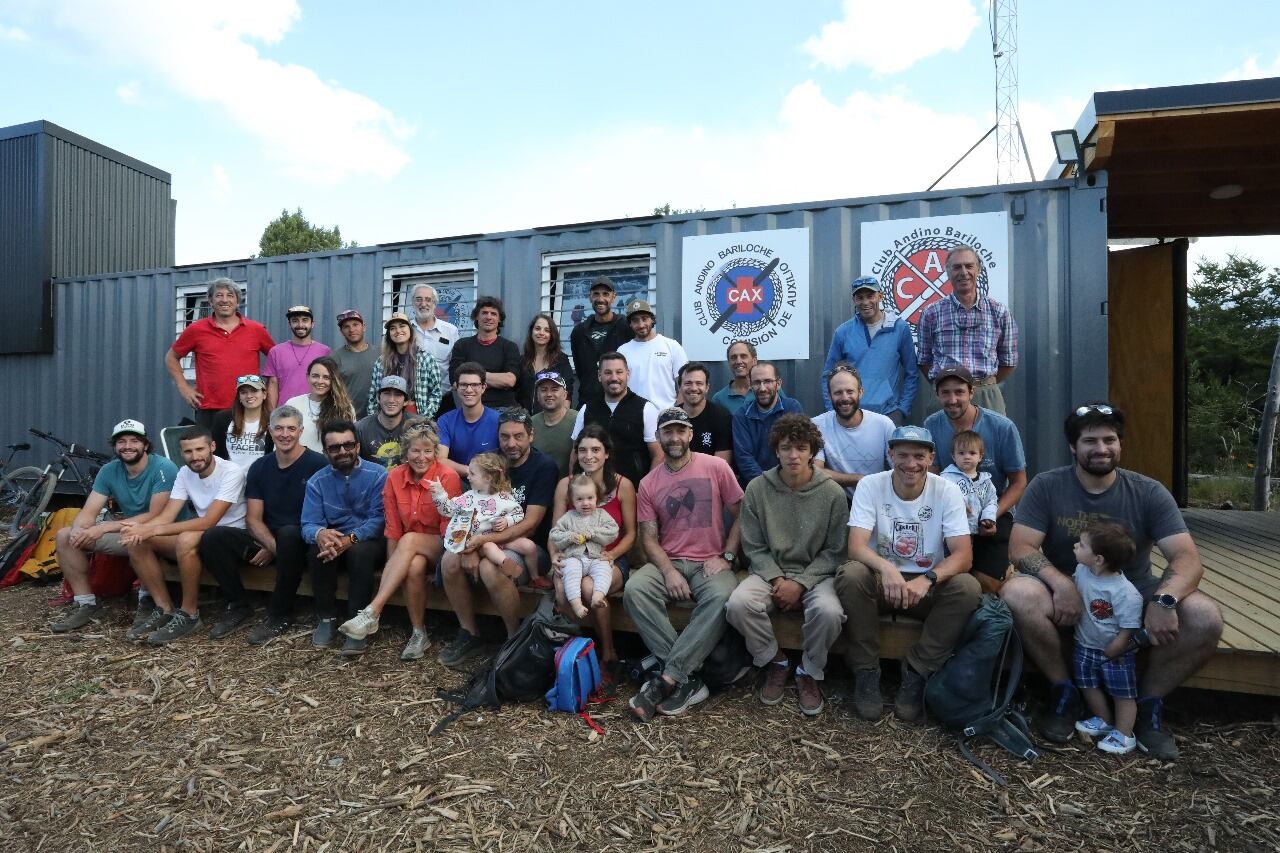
1094 726
418 644
1118 744
360 626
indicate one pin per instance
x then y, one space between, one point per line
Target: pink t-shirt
689 506
288 363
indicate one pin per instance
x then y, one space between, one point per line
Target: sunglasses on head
514 416
249 378
1100 408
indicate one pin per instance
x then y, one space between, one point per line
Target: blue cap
866 282
911 435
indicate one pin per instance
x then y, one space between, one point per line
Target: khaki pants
749 608
945 610
645 598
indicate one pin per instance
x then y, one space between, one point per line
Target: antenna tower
1011 148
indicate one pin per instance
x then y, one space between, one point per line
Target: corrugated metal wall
23 258
112 332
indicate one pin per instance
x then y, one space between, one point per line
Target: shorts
544 564
1092 669
109 543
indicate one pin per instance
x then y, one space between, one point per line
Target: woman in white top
241 433
327 401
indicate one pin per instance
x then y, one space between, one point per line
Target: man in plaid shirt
968 330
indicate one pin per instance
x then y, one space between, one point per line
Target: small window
455 284
192 303
566 278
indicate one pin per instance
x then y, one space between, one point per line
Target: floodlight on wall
1067 144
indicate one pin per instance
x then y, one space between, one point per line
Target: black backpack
522 670
972 693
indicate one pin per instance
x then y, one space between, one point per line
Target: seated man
752 422
794 538
274 488
342 523
681 508
379 431
139 482
912 514
1183 623
215 488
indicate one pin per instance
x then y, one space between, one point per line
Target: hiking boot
179 625
910 698
1094 727
266 630
353 648
325 633
235 615
867 700
146 620
645 703
417 646
1152 738
80 615
464 647
360 626
1117 744
1058 723
775 681
684 697
810 691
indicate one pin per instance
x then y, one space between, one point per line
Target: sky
403 120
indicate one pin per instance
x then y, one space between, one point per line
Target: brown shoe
775 681
810 694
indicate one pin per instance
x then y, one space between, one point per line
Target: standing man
882 350
435 335
681 507
855 442
970 331
342 524
355 360
751 425
274 489
288 363
226 346
380 432
499 356
553 425
1183 624
742 357
602 332
139 481
911 514
631 420
712 425
471 429
655 360
1003 459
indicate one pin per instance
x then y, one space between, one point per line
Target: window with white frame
567 277
191 304
454 282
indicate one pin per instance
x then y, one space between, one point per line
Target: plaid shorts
1119 676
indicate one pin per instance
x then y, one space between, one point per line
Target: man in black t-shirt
499 356
602 332
712 423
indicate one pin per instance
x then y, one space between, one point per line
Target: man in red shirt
226 346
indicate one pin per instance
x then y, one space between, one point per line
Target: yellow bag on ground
42 565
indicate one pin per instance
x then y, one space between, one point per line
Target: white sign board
751 286
907 256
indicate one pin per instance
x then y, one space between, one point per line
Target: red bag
109 576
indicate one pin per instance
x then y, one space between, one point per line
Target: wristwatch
931 576
729 556
354 539
1165 600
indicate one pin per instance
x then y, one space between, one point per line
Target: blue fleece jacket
348 504
880 362
751 427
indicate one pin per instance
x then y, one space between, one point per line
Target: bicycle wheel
27 491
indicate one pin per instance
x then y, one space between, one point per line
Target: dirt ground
211 745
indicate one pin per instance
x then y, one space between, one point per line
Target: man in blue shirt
470 429
342 524
751 424
742 357
882 350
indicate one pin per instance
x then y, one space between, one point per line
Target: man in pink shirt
288 362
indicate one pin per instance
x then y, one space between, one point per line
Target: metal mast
1011 148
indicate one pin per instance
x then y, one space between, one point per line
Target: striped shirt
982 339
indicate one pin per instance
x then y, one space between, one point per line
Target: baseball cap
299 309
397 318
550 376
253 380
866 282
350 314
602 283
639 306
674 415
961 373
911 435
394 383
129 426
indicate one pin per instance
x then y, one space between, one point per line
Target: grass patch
1214 491
77 691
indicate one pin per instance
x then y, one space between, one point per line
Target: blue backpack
577 675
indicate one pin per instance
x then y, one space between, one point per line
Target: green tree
292 234
668 210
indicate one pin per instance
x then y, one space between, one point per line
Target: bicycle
29 489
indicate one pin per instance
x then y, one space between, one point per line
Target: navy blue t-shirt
534 484
281 490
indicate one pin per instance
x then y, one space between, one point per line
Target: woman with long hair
401 356
327 401
541 353
241 433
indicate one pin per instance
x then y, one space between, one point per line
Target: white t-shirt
226 483
310 426
439 341
247 448
909 534
654 366
650 420
861 450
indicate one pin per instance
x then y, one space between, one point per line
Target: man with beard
655 359
287 363
355 359
854 440
630 419
681 509
379 432
751 451
969 330
1183 623
139 482
499 356
741 356
215 488
882 350
602 332
712 425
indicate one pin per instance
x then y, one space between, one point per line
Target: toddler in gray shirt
581 535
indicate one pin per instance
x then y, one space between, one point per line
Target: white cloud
313 129
888 37
130 93
13 34
1251 70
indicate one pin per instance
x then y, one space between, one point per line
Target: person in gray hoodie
794 539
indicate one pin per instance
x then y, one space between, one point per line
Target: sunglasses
514 415
249 378
1100 408
346 446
